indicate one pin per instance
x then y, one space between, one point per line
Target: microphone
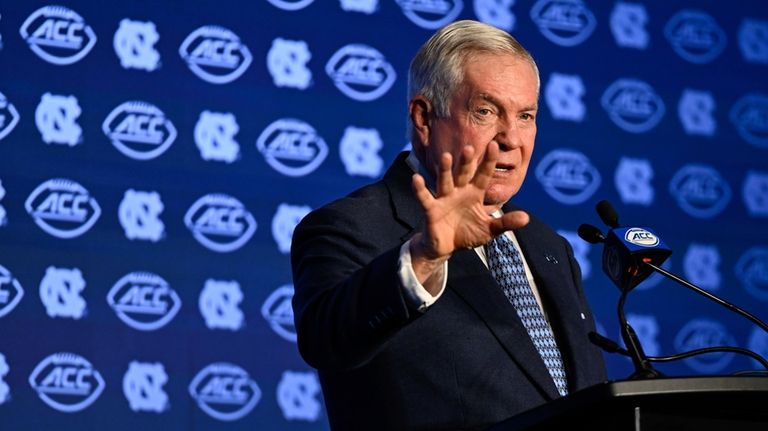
591 234
607 214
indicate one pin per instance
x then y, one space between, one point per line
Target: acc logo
695 36
700 333
220 222
225 391
700 190
431 14
564 22
62 208
752 270
360 72
139 130
144 301
9 116
10 291
568 176
750 116
633 105
291 5
641 237
292 147
67 382
58 35
215 54
277 310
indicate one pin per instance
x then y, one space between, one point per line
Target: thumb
509 221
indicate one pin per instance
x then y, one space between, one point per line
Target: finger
509 221
466 166
420 190
487 166
445 175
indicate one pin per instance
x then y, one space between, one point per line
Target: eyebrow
497 102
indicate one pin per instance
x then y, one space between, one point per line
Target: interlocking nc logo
363 6
287 63
633 105
58 35
62 208
564 22
696 111
359 151
647 329
9 116
3 213
134 43
563 95
55 119
297 396
143 387
66 382
225 391
431 14
701 333
60 291
292 147
5 390
139 130
139 214
752 271
695 36
360 72
700 190
633 181
628 22
11 291
568 176
753 40
701 266
750 117
144 301
220 222
284 222
755 193
278 312
291 5
219 304
215 54
215 136
496 13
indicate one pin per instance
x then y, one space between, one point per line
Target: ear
420 111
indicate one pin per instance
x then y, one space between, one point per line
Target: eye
484 111
526 116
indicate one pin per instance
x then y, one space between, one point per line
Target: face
496 102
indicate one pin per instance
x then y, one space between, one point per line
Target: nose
508 135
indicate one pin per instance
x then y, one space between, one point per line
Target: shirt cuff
416 295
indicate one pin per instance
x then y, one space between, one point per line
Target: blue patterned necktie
507 268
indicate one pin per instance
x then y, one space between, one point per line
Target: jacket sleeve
348 300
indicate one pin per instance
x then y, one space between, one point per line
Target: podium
695 403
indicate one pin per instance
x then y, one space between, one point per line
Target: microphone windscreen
607 214
591 234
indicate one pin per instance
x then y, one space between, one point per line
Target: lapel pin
550 258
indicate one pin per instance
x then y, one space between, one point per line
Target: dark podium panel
696 403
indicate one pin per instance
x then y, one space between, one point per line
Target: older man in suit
426 300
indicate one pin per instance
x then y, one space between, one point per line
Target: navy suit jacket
464 364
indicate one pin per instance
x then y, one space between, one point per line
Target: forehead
500 76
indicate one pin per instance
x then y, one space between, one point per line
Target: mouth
503 168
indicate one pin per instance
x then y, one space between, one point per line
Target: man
394 301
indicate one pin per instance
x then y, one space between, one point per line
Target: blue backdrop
155 157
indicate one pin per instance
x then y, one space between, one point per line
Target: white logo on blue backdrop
66 382
219 304
700 191
278 312
363 6
139 130
9 116
568 176
144 301
220 222
287 63
58 35
431 14
633 105
564 22
297 396
215 136
60 292
696 111
139 215
753 40
633 181
143 387
628 22
749 115
360 72
225 391
497 13
701 333
647 328
700 265
62 208
11 291
55 119
291 5
3 212
5 390
215 54
284 222
292 147
359 151
695 36
134 44
752 271
564 97
755 193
